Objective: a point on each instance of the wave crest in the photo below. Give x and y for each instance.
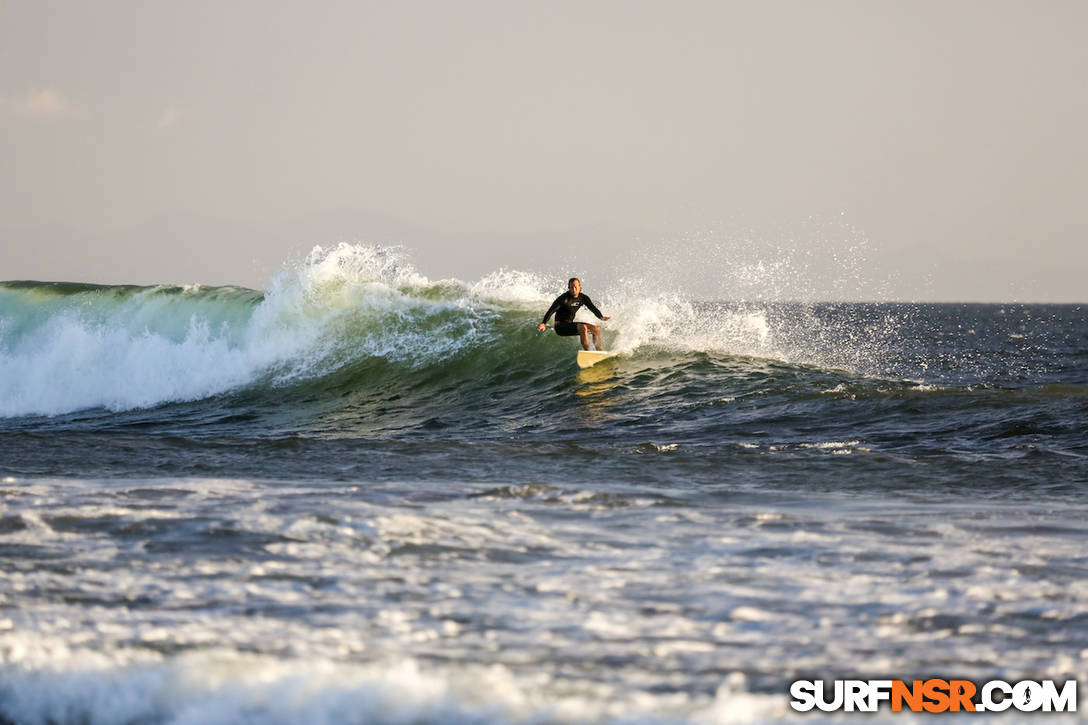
(67, 347)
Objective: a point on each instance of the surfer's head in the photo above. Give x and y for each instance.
(574, 285)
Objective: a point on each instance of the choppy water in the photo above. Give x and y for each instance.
(363, 496)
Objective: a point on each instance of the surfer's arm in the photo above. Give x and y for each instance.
(552, 309)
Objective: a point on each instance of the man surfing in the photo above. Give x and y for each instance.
(565, 307)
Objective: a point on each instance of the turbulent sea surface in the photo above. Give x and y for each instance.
(362, 496)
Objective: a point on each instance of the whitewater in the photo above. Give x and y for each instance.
(361, 495)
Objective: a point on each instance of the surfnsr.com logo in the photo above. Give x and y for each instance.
(933, 695)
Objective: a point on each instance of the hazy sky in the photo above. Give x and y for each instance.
(936, 148)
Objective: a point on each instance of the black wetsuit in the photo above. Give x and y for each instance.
(565, 307)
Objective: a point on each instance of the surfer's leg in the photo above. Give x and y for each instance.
(583, 335)
(596, 330)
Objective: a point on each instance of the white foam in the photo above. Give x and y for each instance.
(219, 686)
(831, 444)
(69, 364)
(377, 588)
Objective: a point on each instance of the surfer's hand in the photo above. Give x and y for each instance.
(540, 327)
(606, 318)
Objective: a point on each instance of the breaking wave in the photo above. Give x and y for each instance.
(68, 347)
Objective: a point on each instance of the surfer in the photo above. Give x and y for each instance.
(565, 307)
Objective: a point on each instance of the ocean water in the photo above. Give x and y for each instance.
(363, 496)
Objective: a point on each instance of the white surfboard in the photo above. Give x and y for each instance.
(592, 357)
